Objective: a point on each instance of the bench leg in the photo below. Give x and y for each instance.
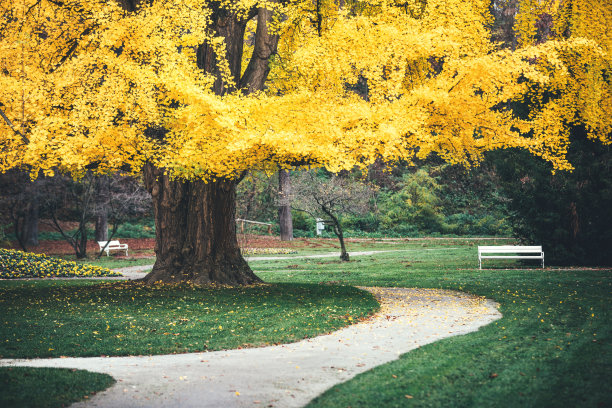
(479, 264)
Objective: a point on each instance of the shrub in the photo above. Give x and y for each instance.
(144, 229)
(18, 264)
(367, 223)
(302, 221)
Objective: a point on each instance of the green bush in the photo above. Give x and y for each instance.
(415, 207)
(18, 264)
(141, 229)
(469, 224)
(303, 221)
(367, 223)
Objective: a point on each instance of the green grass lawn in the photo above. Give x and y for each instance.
(84, 318)
(112, 262)
(26, 387)
(552, 348)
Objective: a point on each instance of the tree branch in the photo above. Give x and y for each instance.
(257, 70)
(72, 48)
(17, 132)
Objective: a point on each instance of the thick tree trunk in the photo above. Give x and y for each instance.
(195, 220)
(195, 231)
(284, 209)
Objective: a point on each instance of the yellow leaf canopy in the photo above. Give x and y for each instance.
(87, 85)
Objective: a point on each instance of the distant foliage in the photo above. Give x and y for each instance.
(416, 204)
(302, 222)
(137, 229)
(407, 201)
(256, 196)
(570, 214)
(18, 264)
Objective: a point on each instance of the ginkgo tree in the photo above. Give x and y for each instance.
(193, 94)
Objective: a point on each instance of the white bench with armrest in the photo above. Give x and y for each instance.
(113, 246)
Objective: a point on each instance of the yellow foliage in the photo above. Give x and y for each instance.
(84, 84)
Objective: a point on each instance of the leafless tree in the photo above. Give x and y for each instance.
(19, 206)
(123, 197)
(330, 197)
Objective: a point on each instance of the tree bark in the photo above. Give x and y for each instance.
(264, 47)
(101, 208)
(195, 231)
(284, 209)
(30, 223)
(101, 233)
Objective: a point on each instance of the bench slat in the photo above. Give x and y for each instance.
(510, 249)
(512, 256)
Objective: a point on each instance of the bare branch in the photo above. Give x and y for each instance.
(17, 132)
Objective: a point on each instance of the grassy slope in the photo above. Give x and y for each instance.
(48, 387)
(553, 346)
(84, 318)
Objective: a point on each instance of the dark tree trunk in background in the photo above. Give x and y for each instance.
(24, 210)
(102, 227)
(101, 210)
(196, 221)
(30, 222)
(284, 208)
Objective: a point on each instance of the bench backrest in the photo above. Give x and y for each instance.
(510, 249)
(102, 243)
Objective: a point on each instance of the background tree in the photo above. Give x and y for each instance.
(256, 195)
(19, 204)
(67, 200)
(285, 221)
(415, 204)
(330, 197)
(101, 208)
(568, 213)
(158, 88)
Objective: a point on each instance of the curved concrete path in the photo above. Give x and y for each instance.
(288, 375)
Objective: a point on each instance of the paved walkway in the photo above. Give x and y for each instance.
(288, 375)
(337, 254)
(137, 272)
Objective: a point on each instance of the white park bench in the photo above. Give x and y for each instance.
(113, 246)
(510, 252)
